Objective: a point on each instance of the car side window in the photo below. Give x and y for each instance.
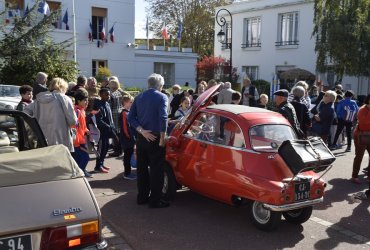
(231, 133)
(216, 129)
(203, 127)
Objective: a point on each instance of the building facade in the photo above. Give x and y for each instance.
(91, 21)
(273, 36)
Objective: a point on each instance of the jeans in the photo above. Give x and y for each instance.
(149, 154)
(341, 125)
(81, 157)
(127, 154)
(102, 150)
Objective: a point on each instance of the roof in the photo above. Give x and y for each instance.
(37, 165)
(238, 109)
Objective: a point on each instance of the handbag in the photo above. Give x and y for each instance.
(364, 138)
(306, 155)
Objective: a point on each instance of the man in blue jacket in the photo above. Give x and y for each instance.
(346, 110)
(148, 115)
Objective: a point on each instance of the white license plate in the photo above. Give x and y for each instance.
(22, 242)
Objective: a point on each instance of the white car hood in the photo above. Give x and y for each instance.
(8, 100)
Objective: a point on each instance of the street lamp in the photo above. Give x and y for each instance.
(225, 38)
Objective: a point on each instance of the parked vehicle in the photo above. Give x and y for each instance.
(243, 166)
(46, 202)
(9, 96)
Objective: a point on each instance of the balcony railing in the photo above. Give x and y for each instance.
(251, 45)
(286, 43)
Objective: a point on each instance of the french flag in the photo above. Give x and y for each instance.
(90, 32)
(102, 34)
(111, 32)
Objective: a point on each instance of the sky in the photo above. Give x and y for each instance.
(140, 19)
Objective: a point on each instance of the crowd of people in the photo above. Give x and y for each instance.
(84, 115)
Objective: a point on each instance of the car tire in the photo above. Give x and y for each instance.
(169, 183)
(298, 216)
(262, 218)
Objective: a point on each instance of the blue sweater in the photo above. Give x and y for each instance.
(346, 103)
(149, 111)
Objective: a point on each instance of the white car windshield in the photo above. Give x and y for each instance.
(269, 137)
(9, 91)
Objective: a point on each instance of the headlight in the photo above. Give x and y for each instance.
(9, 107)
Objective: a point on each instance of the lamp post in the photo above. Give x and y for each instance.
(225, 38)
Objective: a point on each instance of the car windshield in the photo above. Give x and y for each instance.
(9, 91)
(269, 137)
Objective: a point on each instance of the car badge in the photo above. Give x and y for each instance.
(69, 211)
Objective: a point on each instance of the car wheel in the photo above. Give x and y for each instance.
(263, 218)
(169, 183)
(298, 216)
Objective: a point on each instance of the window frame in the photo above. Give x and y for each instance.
(96, 20)
(291, 32)
(247, 30)
(95, 65)
(249, 72)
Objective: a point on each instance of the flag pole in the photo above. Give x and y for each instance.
(74, 32)
(147, 32)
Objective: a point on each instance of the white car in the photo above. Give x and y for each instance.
(9, 96)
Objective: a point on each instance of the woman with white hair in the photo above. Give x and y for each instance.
(305, 99)
(115, 103)
(301, 109)
(55, 113)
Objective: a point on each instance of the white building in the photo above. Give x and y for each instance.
(272, 36)
(132, 65)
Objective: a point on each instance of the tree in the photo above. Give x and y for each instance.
(26, 48)
(210, 67)
(197, 17)
(342, 30)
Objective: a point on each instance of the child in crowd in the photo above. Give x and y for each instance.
(106, 127)
(26, 94)
(264, 99)
(236, 97)
(180, 113)
(128, 137)
(183, 110)
(81, 153)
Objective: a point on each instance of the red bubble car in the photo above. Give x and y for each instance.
(230, 153)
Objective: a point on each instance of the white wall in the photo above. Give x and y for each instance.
(269, 56)
(184, 65)
(130, 65)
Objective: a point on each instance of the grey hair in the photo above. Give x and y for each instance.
(155, 81)
(227, 85)
(332, 95)
(298, 91)
(40, 77)
(303, 84)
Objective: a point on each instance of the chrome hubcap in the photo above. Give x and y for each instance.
(261, 214)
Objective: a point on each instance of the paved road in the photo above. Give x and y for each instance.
(195, 222)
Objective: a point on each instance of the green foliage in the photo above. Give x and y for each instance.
(197, 17)
(103, 72)
(262, 86)
(26, 48)
(133, 89)
(342, 30)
